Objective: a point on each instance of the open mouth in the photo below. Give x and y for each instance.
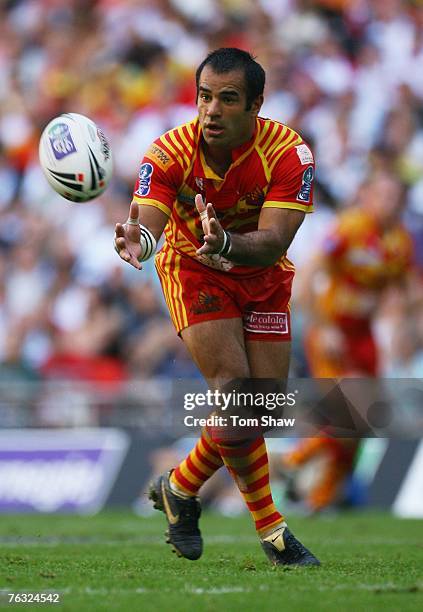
(213, 129)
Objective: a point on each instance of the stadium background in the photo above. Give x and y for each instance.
(85, 341)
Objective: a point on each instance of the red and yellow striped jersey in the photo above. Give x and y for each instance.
(274, 169)
(362, 259)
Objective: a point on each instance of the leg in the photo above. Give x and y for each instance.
(359, 359)
(218, 347)
(339, 464)
(248, 463)
(218, 360)
(268, 359)
(271, 360)
(246, 460)
(219, 363)
(175, 492)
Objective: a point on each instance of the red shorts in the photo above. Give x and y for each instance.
(195, 293)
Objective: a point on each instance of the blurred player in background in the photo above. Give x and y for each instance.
(225, 274)
(366, 252)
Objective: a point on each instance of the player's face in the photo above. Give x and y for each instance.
(222, 109)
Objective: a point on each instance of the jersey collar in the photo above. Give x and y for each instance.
(201, 168)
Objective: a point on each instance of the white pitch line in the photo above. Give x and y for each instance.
(7, 542)
(388, 587)
(91, 541)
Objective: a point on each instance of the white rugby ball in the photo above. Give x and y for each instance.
(76, 157)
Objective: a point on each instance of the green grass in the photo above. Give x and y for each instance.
(117, 561)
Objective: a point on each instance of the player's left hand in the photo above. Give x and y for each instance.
(214, 236)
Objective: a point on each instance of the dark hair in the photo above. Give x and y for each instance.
(227, 59)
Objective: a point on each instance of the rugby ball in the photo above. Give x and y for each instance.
(76, 157)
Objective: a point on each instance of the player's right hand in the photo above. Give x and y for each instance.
(127, 238)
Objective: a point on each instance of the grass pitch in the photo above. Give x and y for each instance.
(117, 561)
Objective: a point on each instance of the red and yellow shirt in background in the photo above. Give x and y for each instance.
(274, 169)
(362, 259)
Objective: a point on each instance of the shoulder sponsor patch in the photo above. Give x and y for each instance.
(304, 193)
(159, 156)
(145, 175)
(305, 155)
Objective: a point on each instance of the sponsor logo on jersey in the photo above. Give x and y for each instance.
(304, 153)
(304, 193)
(61, 140)
(160, 157)
(145, 174)
(266, 322)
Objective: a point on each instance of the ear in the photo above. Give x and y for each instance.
(256, 105)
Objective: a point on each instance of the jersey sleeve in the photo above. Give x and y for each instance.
(159, 177)
(292, 180)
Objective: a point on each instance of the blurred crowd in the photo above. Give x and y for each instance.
(347, 74)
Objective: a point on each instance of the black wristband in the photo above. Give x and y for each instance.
(227, 245)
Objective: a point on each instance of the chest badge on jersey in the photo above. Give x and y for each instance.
(304, 193)
(251, 200)
(145, 174)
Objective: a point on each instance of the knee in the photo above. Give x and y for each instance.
(234, 413)
(227, 377)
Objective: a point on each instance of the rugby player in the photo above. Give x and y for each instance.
(366, 252)
(230, 190)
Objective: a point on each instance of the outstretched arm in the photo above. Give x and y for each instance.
(128, 240)
(263, 247)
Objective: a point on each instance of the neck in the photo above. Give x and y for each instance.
(218, 156)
